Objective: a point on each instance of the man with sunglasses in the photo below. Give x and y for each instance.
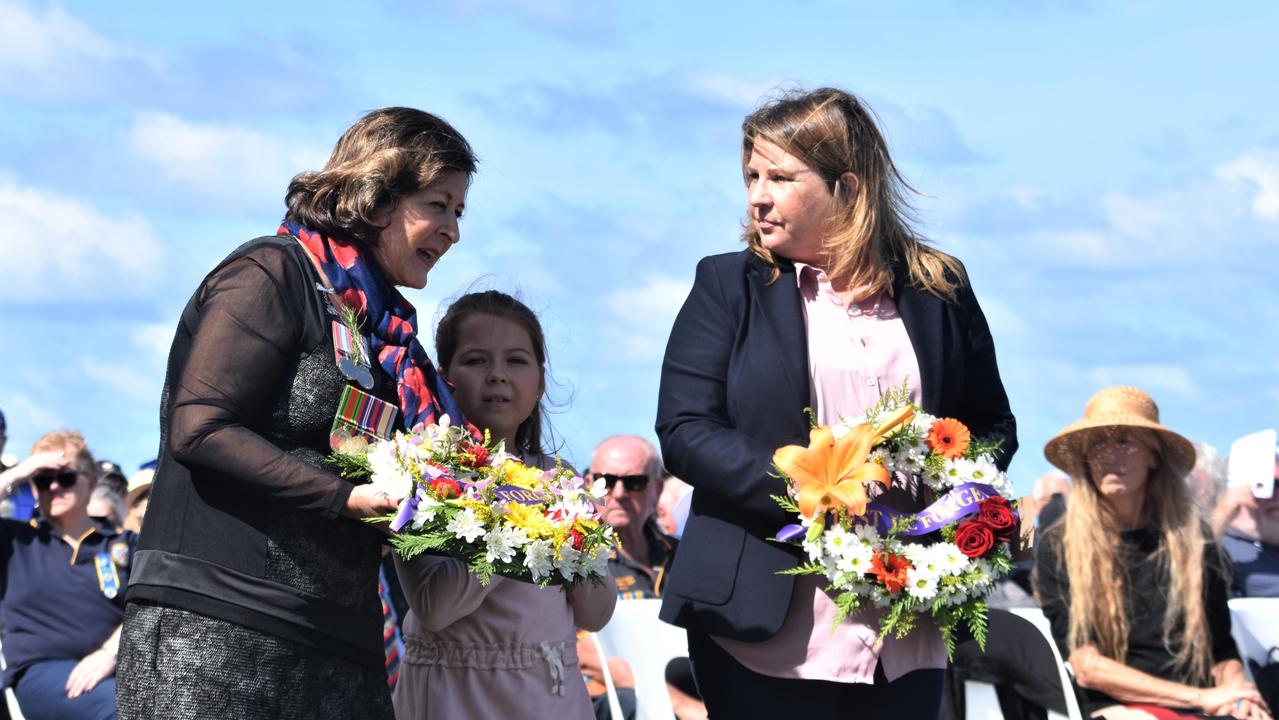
(62, 587)
(632, 470)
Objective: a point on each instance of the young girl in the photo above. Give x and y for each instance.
(506, 650)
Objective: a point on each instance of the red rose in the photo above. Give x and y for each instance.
(974, 538)
(995, 512)
(576, 537)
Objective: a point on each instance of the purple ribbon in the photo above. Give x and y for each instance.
(524, 496)
(954, 505)
(408, 508)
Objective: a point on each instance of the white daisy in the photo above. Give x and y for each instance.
(866, 534)
(856, 559)
(499, 545)
(466, 525)
(427, 508)
(539, 558)
(566, 561)
(920, 585)
(953, 560)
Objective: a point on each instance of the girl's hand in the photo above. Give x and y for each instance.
(368, 501)
(40, 462)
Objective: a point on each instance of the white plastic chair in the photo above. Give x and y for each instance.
(15, 712)
(647, 645)
(1040, 621)
(1254, 624)
(981, 702)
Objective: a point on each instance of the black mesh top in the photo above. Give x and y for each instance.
(243, 522)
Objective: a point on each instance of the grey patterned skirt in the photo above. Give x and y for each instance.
(179, 664)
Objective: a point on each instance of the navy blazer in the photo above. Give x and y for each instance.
(734, 388)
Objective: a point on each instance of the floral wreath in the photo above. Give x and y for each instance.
(475, 502)
(942, 561)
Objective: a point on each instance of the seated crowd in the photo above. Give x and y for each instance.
(1138, 547)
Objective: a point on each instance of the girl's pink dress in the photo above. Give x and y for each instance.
(503, 651)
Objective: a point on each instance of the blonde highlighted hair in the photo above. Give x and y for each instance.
(1098, 578)
(871, 236)
(386, 155)
(72, 443)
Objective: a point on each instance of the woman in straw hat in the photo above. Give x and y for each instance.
(1130, 579)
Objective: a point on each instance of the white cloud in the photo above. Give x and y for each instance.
(27, 420)
(50, 52)
(154, 339)
(221, 161)
(643, 315)
(1261, 167)
(1004, 321)
(62, 249)
(133, 382)
(723, 87)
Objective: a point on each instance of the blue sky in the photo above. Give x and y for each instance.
(1109, 173)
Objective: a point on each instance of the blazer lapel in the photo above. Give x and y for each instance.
(922, 316)
(778, 306)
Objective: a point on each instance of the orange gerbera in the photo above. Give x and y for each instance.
(832, 473)
(890, 570)
(949, 438)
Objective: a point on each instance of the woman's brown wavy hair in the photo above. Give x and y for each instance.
(386, 155)
(835, 133)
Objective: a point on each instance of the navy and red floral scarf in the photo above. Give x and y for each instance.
(392, 322)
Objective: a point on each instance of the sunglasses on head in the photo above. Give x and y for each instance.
(64, 479)
(632, 483)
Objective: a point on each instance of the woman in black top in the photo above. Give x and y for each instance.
(1129, 578)
(254, 591)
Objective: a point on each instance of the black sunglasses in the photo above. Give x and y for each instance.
(632, 483)
(65, 479)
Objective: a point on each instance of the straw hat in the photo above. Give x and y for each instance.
(1117, 406)
(139, 483)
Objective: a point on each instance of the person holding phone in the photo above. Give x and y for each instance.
(1246, 520)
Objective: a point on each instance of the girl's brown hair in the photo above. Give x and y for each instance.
(528, 436)
(835, 133)
(386, 155)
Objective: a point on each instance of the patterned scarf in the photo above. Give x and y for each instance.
(360, 284)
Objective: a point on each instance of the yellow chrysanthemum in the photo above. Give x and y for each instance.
(530, 519)
(521, 475)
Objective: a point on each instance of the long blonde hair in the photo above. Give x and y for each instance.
(1097, 579)
(835, 133)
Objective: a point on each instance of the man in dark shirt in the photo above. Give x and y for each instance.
(62, 583)
(632, 470)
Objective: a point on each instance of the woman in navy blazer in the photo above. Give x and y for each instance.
(736, 381)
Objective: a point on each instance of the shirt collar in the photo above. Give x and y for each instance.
(812, 281)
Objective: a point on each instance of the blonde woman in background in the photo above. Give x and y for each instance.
(1130, 580)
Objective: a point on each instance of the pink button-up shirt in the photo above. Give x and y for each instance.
(855, 353)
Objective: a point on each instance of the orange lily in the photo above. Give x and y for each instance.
(832, 473)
